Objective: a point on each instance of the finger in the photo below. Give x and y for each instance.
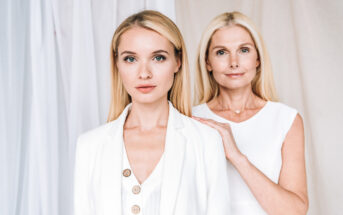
(223, 125)
(213, 124)
(205, 119)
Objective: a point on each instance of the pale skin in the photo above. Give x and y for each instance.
(233, 59)
(147, 63)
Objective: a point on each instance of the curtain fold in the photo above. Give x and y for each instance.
(55, 84)
(304, 41)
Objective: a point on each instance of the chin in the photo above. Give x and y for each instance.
(148, 98)
(235, 85)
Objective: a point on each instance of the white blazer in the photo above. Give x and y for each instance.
(194, 178)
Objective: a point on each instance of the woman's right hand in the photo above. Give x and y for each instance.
(224, 129)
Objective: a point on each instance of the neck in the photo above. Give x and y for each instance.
(237, 99)
(147, 116)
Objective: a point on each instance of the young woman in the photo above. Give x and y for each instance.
(150, 158)
(263, 139)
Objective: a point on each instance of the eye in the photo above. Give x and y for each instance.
(129, 59)
(220, 52)
(160, 58)
(245, 50)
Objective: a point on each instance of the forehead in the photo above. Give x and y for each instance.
(141, 39)
(232, 34)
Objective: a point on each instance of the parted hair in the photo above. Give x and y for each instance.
(179, 94)
(206, 87)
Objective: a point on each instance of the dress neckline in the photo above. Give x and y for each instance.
(252, 118)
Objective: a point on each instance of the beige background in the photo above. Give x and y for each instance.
(304, 39)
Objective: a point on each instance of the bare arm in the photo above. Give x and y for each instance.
(289, 196)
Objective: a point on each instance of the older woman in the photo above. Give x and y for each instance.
(263, 139)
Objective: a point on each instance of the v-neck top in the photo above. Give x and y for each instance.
(260, 139)
(142, 199)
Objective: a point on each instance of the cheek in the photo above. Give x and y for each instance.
(219, 64)
(218, 77)
(249, 63)
(164, 74)
(127, 75)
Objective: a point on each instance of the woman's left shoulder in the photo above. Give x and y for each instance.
(201, 134)
(282, 109)
(193, 125)
(285, 116)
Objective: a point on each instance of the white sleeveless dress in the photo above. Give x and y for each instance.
(260, 138)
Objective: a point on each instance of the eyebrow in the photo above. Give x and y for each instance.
(161, 51)
(127, 52)
(155, 52)
(223, 47)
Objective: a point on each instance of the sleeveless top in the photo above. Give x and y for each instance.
(260, 139)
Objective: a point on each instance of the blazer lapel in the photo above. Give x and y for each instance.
(173, 166)
(111, 175)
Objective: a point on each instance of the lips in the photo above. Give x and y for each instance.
(145, 88)
(235, 75)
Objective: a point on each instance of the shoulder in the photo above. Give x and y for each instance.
(281, 108)
(286, 117)
(297, 126)
(191, 125)
(280, 113)
(199, 109)
(201, 134)
(198, 127)
(95, 136)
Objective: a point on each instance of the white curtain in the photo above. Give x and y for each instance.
(54, 64)
(304, 39)
(54, 84)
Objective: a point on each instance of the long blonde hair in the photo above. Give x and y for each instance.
(206, 87)
(179, 94)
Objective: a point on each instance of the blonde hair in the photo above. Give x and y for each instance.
(179, 94)
(206, 86)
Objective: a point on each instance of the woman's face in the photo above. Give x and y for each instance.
(232, 57)
(147, 63)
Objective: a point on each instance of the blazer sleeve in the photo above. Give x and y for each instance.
(82, 201)
(218, 184)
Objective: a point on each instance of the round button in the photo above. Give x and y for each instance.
(135, 209)
(126, 172)
(136, 189)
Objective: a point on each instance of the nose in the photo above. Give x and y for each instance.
(234, 62)
(144, 72)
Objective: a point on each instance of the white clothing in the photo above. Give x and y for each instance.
(194, 177)
(260, 138)
(147, 198)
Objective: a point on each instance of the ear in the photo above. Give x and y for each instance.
(258, 62)
(178, 62)
(208, 65)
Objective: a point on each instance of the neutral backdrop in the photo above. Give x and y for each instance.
(54, 85)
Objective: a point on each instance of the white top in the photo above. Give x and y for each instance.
(142, 199)
(194, 176)
(260, 138)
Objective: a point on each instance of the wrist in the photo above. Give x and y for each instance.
(237, 158)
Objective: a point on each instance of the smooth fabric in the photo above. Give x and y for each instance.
(304, 39)
(54, 85)
(149, 197)
(260, 139)
(194, 173)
